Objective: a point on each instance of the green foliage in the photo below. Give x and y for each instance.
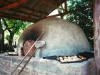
(7, 36)
(14, 27)
(83, 18)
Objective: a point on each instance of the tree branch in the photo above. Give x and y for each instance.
(6, 25)
(71, 11)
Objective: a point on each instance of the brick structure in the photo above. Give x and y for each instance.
(46, 67)
(27, 47)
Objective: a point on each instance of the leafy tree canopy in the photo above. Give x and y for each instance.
(14, 27)
(83, 18)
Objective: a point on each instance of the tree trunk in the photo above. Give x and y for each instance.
(1, 38)
(10, 40)
(97, 34)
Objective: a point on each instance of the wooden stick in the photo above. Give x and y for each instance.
(27, 53)
(27, 62)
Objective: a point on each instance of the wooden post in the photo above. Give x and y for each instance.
(97, 34)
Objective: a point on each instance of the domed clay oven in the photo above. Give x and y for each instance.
(61, 37)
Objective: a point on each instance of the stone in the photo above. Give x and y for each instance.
(47, 67)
